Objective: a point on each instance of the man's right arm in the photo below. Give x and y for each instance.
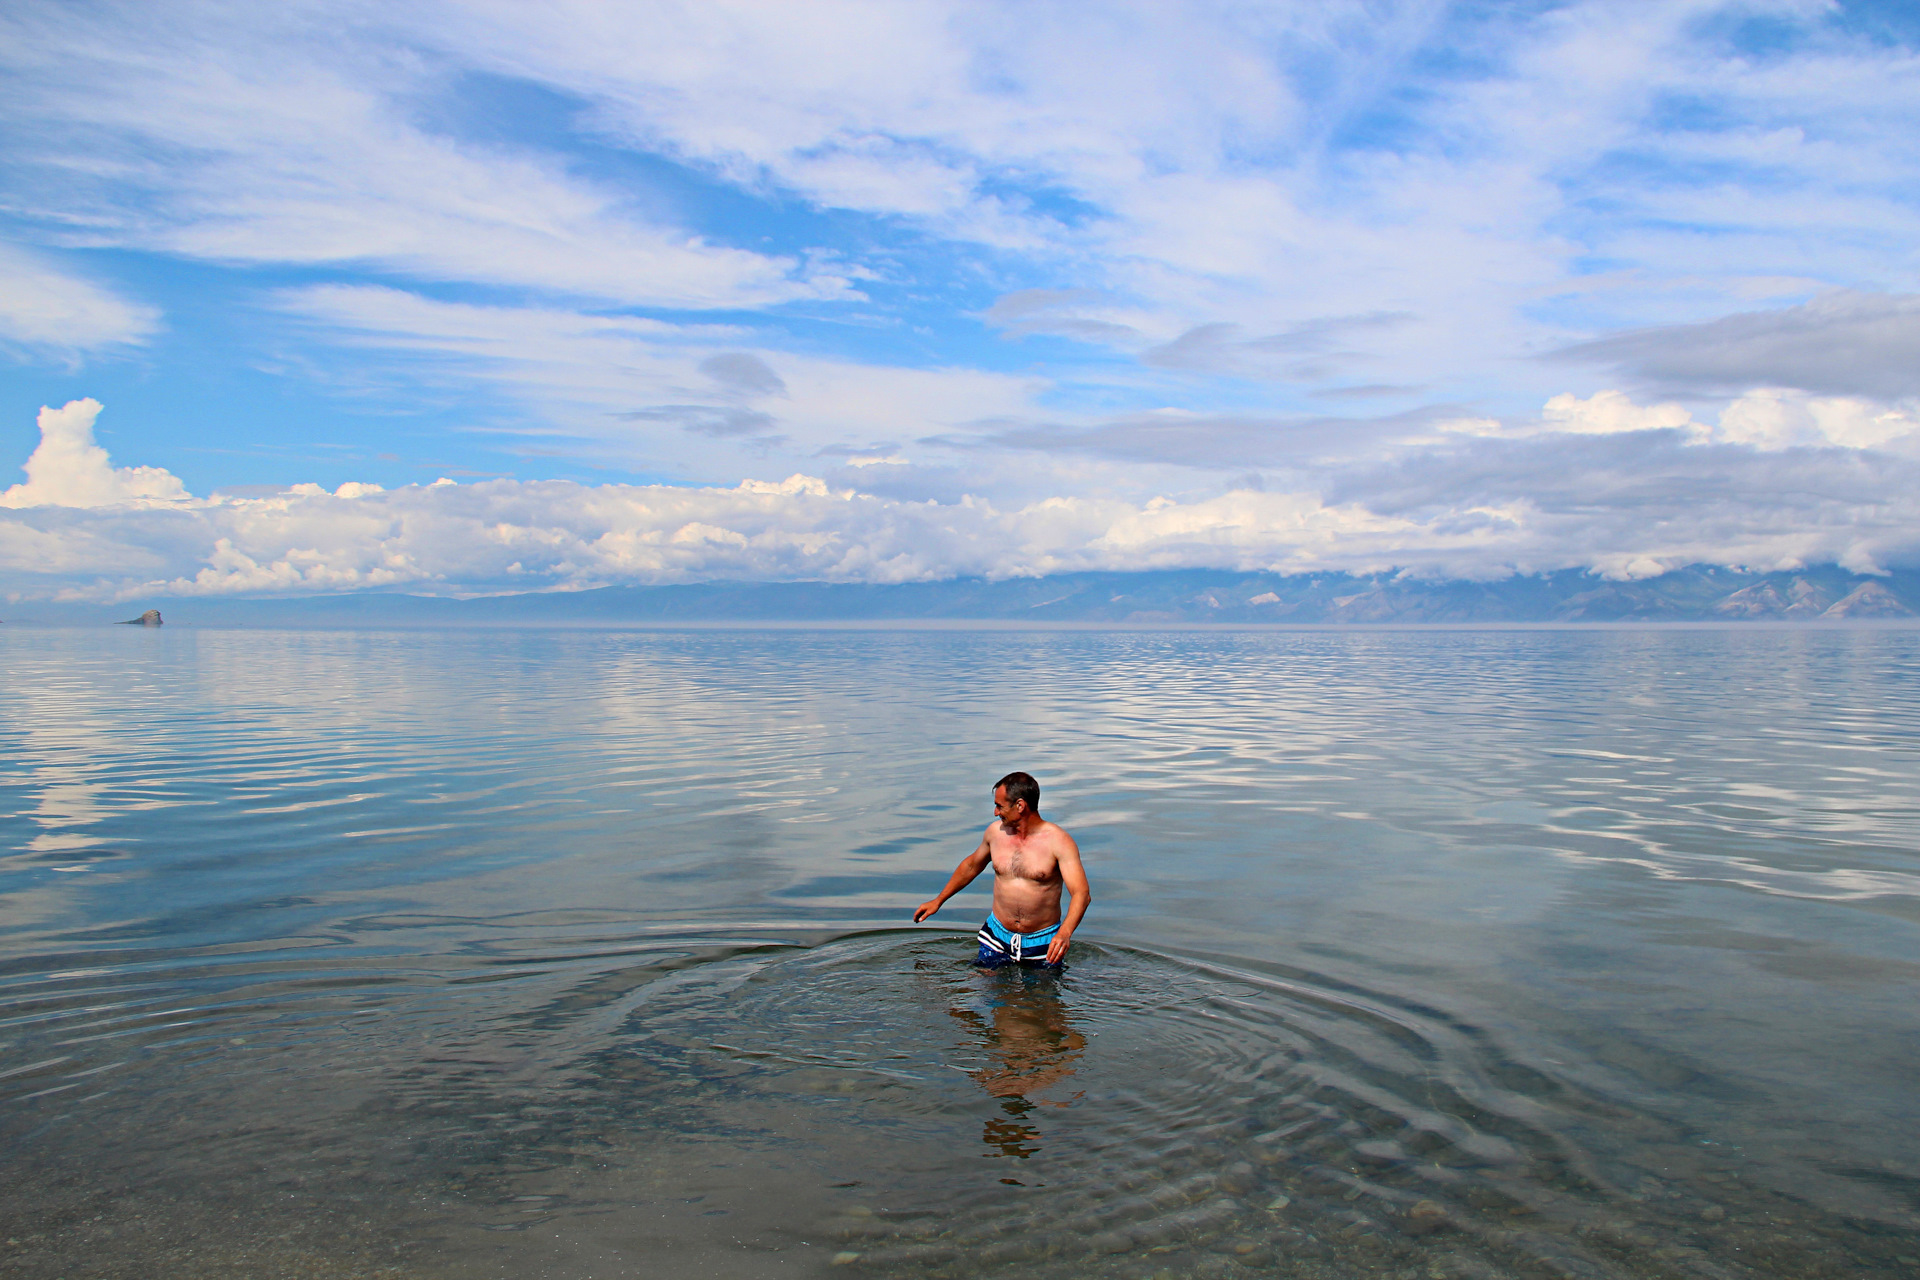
(970, 866)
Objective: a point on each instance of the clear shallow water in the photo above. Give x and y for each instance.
(1575, 953)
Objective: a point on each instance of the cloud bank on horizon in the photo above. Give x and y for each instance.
(1470, 498)
(865, 291)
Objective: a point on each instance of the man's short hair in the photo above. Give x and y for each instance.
(1021, 786)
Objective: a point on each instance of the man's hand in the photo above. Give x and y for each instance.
(925, 909)
(1057, 949)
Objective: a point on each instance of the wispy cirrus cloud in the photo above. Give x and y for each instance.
(234, 136)
(1213, 166)
(46, 308)
(689, 398)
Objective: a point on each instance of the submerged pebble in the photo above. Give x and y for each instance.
(1238, 1178)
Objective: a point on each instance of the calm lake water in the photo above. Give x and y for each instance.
(1576, 953)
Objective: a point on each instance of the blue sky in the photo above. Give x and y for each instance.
(1011, 288)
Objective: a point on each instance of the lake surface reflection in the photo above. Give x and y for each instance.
(1579, 953)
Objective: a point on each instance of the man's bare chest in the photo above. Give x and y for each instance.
(1025, 861)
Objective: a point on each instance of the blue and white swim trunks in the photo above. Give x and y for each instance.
(1000, 945)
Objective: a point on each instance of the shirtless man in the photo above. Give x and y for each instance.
(1032, 861)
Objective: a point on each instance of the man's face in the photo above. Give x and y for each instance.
(1008, 811)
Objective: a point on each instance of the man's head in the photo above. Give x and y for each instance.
(1015, 796)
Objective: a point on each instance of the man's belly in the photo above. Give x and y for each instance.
(1024, 906)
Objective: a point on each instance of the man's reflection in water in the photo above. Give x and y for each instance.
(1030, 1046)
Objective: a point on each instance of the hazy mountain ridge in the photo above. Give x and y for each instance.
(1694, 594)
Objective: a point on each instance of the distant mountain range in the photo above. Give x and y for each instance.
(1699, 593)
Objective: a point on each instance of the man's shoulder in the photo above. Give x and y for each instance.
(1055, 833)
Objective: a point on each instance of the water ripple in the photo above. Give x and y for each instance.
(1575, 938)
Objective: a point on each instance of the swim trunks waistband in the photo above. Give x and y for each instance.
(1002, 941)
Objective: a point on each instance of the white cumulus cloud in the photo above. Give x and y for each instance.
(1778, 419)
(1606, 412)
(70, 470)
(1768, 418)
